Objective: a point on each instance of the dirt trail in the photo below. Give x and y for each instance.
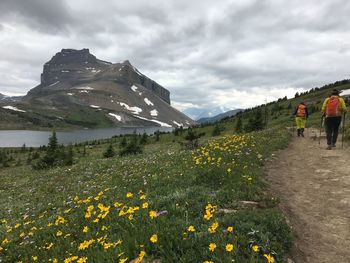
(314, 186)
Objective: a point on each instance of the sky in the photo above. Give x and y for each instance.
(227, 53)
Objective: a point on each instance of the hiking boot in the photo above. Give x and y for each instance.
(333, 146)
(302, 133)
(329, 147)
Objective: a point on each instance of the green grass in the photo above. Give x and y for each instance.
(173, 183)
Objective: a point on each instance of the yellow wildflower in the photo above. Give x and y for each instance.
(60, 220)
(229, 247)
(129, 195)
(145, 205)
(213, 227)
(123, 260)
(152, 214)
(59, 233)
(85, 229)
(82, 260)
(84, 245)
(212, 247)
(35, 258)
(154, 238)
(142, 197)
(191, 229)
(230, 229)
(270, 259)
(255, 248)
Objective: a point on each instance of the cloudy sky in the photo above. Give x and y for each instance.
(231, 53)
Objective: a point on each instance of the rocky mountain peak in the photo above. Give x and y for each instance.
(67, 56)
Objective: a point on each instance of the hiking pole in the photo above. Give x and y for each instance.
(319, 138)
(342, 137)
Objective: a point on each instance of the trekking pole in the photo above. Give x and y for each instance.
(319, 138)
(342, 137)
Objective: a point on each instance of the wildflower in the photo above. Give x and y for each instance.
(67, 211)
(229, 247)
(17, 225)
(140, 257)
(117, 204)
(142, 197)
(59, 233)
(71, 259)
(230, 229)
(49, 246)
(123, 260)
(212, 247)
(191, 229)
(129, 195)
(60, 220)
(35, 258)
(152, 214)
(145, 205)
(154, 238)
(208, 261)
(82, 260)
(270, 259)
(104, 228)
(84, 245)
(213, 227)
(255, 248)
(85, 229)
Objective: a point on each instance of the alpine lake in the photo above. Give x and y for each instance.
(16, 138)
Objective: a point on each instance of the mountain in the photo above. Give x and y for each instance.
(219, 116)
(78, 90)
(198, 113)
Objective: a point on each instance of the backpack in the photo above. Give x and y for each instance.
(332, 109)
(301, 111)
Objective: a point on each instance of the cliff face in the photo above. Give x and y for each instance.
(72, 67)
(77, 89)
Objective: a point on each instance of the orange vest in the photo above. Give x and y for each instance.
(301, 112)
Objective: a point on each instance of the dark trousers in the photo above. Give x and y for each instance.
(332, 126)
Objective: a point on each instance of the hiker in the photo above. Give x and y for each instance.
(333, 108)
(301, 114)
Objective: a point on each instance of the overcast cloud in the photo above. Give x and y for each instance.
(206, 53)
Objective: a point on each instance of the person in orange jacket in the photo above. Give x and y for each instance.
(301, 114)
(333, 108)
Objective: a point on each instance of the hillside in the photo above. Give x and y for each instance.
(77, 90)
(213, 203)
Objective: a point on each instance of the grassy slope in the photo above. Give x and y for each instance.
(178, 181)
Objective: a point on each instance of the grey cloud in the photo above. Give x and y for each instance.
(50, 17)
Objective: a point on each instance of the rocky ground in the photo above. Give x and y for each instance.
(314, 186)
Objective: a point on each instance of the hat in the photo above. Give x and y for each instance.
(335, 92)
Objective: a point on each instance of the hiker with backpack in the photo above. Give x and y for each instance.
(301, 114)
(332, 109)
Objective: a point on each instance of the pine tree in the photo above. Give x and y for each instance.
(109, 152)
(216, 131)
(239, 125)
(144, 138)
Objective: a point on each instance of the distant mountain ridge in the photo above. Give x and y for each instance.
(219, 116)
(77, 90)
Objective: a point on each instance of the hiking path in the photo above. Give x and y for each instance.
(314, 187)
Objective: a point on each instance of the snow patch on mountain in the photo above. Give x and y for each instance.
(134, 88)
(94, 106)
(85, 88)
(135, 110)
(163, 124)
(178, 124)
(154, 112)
(13, 108)
(148, 102)
(53, 84)
(118, 117)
